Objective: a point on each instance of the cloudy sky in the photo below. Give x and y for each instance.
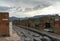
(28, 8)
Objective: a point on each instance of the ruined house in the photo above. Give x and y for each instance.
(46, 22)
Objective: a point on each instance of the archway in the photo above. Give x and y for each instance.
(47, 25)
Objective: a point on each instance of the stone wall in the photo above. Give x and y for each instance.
(40, 23)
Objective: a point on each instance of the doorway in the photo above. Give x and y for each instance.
(47, 25)
(37, 26)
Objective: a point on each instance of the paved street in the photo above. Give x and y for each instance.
(27, 35)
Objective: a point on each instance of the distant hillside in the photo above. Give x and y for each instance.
(13, 18)
(37, 16)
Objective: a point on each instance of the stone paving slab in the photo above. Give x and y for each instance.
(13, 37)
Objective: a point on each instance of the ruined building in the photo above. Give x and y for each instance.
(45, 22)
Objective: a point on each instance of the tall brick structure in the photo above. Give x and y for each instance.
(57, 25)
(4, 24)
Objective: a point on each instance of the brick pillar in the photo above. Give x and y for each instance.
(57, 26)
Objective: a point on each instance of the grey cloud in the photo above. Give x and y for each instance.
(30, 2)
(2, 8)
(36, 4)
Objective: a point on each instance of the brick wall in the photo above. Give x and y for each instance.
(4, 23)
(57, 26)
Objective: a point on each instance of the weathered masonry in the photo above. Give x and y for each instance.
(4, 24)
(50, 23)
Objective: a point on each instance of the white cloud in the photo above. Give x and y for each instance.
(54, 9)
(31, 3)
